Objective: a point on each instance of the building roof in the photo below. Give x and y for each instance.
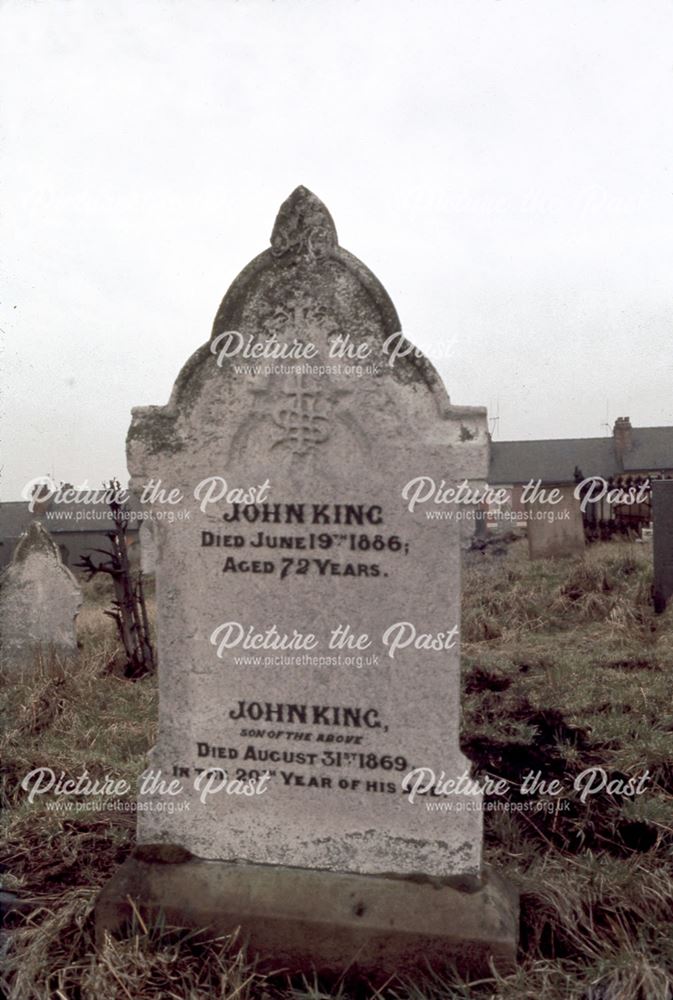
(652, 449)
(555, 461)
(552, 461)
(14, 518)
(60, 519)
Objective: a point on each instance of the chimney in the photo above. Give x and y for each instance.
(623, 437)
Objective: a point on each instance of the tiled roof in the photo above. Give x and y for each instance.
(60, 519)
(652, 449)
(555, 461)
(552, 461)
(14, 518)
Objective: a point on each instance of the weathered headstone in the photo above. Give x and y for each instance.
(39, 602)
(662, 518)
(555, 530)
(307, 627)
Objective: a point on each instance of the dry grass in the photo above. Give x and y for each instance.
(565, 667)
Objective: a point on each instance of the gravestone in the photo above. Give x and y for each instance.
(308, 631)
(39, 602)
(555, 530)
(662, 519)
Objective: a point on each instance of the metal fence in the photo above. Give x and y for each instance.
(604, 520)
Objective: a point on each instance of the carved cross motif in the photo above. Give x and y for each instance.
(303, 416)
(297, 415)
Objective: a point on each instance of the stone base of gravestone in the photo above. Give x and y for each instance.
(301, 920)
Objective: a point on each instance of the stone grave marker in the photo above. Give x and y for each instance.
(39, 602)
(308, 627)
(662, 518)
(555, 530)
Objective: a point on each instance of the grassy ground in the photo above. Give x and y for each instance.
(565, 667)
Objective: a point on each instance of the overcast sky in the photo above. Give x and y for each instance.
(505, 167)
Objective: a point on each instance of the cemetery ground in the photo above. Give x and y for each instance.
(565, 667)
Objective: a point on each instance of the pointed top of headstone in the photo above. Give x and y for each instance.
(303, 227)
(36, 539)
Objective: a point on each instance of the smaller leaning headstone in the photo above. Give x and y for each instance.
(39, 602)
